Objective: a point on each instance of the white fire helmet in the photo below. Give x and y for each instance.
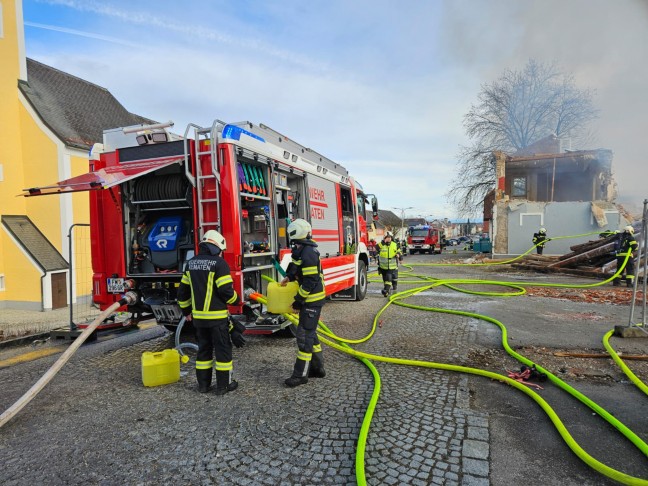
(389, 234)
(629, 229)
(215, 238)
(299, 229)
(543, 231)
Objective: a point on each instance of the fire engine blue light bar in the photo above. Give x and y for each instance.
(234, 133)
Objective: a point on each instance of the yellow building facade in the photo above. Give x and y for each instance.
(34, 243)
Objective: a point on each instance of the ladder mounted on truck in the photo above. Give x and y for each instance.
(207, 180)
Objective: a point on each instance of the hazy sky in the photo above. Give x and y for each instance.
(380, 87)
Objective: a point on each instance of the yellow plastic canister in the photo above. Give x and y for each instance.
(280, 298)
(160, 368)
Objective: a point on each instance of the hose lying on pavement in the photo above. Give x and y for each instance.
(518, 289)
(129, 298)
(366, 358)
(366, 423)
(628, 372)
(517, 286)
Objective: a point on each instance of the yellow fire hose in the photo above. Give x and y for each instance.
(518, 289)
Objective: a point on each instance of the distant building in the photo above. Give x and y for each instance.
(566, 192)
(387, 221)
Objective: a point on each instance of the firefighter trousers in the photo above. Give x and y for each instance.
(307, 341)
(390, 280)
(629, 271)
(213, 339)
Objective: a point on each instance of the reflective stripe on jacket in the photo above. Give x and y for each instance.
(306, 268)
(206, 288)
(388, 255)
(539, 239)
(627, 244)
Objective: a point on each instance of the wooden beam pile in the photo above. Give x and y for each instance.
(592, 259)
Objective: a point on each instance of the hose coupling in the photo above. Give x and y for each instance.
(129, 298)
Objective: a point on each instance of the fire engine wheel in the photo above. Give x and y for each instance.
(363, 282)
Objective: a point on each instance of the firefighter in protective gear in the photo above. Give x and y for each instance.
(625, 245)
(306, 269)
(389, 254)
(540, 239)
(205, 291)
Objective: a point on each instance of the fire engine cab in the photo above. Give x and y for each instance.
(154, 194)
(425, 239)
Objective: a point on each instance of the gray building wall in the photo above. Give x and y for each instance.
(559, 219)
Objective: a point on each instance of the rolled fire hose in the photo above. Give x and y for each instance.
(129, 298)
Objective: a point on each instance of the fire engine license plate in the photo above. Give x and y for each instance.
(116, 285)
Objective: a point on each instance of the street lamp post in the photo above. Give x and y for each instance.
(402, 210)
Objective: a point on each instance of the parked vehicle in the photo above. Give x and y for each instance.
(424, 239)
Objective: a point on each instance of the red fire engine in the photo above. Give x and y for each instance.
(425, 239)
(154, 194)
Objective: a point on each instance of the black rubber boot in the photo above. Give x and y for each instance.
(615, 282)
(294, 381)
(629, 283)
(300, 374)
(316, 369)
(204, 378)
(224, 384)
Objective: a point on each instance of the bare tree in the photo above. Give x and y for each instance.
(518, 109)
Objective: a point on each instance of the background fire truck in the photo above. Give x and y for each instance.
(154, 194)
(425, 239)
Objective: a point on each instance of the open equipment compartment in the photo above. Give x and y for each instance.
(271, 195)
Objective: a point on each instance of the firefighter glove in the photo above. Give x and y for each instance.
(237, 339)
(400, 258)
(236, 333)
(297, 304)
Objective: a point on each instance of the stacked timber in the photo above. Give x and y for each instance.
(591, 259)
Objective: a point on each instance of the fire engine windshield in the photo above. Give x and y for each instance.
(103, 178)
(419, 232)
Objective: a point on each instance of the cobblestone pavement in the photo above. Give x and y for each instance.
(96, 424)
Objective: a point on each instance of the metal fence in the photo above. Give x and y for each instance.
(82, 310)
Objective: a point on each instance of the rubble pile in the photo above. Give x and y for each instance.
(591, 259)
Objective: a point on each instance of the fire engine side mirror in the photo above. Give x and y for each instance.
(374, 207)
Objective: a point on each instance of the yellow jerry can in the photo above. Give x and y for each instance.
(160, 368)
(280, 298)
